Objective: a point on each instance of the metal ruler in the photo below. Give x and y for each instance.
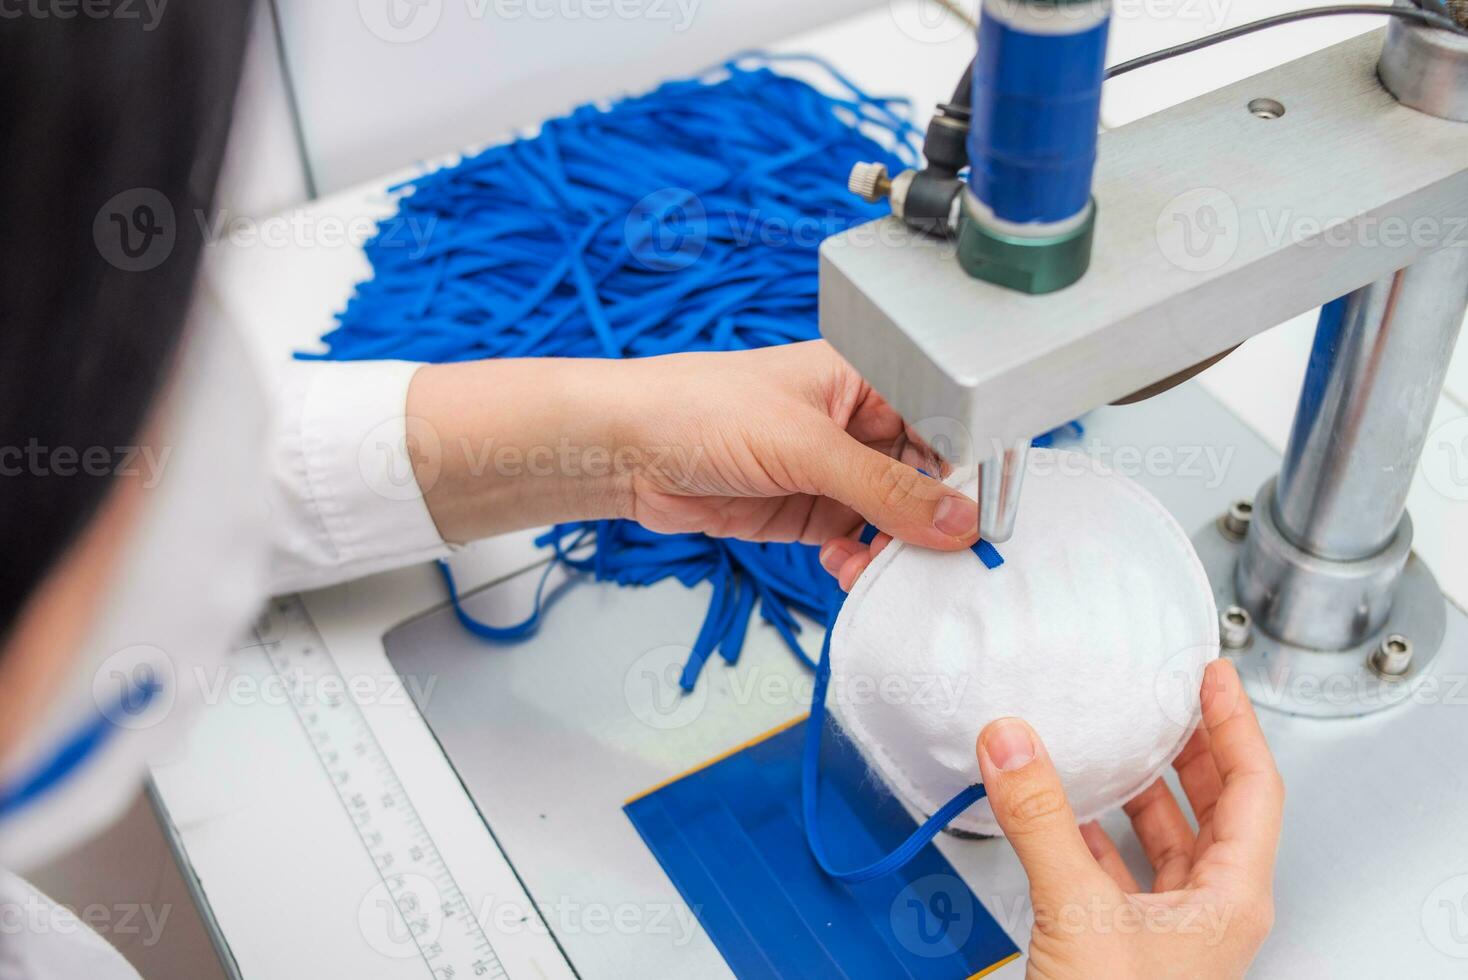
(416, 910)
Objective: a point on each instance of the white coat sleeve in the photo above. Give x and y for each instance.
(344, 499)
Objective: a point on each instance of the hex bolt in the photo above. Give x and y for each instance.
(1393, 656)
(1236, 519)
(1235, 628)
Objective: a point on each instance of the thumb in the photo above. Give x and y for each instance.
(893, 496)
(1030, 805)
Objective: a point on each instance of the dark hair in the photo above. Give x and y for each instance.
(112, 132)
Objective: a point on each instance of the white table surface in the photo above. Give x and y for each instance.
(261, 830)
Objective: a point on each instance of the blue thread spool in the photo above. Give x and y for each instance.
(1028, 216)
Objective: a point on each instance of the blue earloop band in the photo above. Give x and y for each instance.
(77, 749)
(810, 780)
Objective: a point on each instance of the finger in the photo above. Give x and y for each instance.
(857, 563)
(1103, 849)
(891, 495)
(836, 552)
(1166, 838)
(1030, 805)
(1198, 775)
(851, 571)
(1251, 802)
(913, 451)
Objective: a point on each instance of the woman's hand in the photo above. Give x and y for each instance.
(779, 444)
(1210, 905)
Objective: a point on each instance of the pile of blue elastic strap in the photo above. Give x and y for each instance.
(688, 218)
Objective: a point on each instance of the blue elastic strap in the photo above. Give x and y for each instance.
(76, 750)
(810, 789)
(688, 218)
(988, 554)
(483, 630)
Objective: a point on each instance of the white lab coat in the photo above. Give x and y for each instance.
(343, 504)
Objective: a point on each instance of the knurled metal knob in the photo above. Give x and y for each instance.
(869, 181)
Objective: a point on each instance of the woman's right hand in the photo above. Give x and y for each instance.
(1211, 902)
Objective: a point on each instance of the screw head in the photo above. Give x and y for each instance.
(1393, 656)
(1235, 520)
(1235, 628)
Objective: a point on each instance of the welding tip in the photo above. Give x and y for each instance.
(999, 484)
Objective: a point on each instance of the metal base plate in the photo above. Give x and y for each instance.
(552, 736)
(1331, 684)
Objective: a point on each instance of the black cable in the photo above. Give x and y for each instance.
(1406, 13)
(959, 109)
(1434, 6)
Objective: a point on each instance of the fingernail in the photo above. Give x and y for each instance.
(956, 516)
(831, 557)
(1009, 744)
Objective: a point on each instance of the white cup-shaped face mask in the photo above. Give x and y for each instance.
(1095, 630)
